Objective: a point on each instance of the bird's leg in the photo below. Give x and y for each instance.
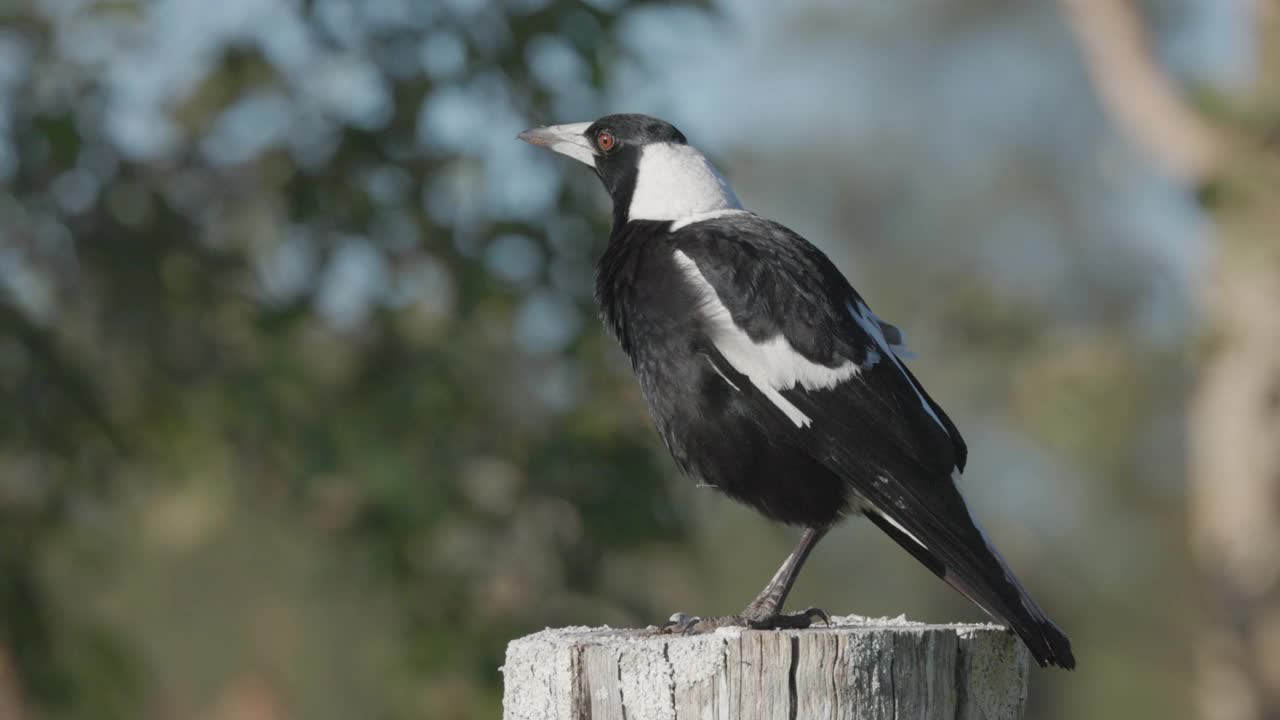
(765, 612)
(767, 607)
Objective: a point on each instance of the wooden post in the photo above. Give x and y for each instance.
(857, 669)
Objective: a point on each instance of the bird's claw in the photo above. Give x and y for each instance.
(793, 621)
(683, 624)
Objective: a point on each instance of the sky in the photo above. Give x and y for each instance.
(908, 103)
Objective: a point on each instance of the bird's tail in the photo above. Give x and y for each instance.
(973, 566)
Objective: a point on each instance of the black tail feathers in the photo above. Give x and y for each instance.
(1045, 640)
(978, 572)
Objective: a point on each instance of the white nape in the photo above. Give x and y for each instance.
(773, 365)
(868, 321)
(705, 216)
(674, 182)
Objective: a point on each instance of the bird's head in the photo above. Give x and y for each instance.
(646, 165)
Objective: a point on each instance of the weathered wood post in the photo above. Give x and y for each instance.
(857, 669)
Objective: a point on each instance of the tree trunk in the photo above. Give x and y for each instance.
(1235, 424)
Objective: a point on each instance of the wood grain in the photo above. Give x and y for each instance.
(857, 669)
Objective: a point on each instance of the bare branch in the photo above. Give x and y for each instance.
(1139, 95)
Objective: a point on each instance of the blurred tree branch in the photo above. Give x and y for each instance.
(1137, 93)
(1235, 417)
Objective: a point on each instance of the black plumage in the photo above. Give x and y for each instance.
(769, 378)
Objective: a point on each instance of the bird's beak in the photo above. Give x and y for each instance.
(564, 139)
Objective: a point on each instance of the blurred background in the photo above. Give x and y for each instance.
(306, 411)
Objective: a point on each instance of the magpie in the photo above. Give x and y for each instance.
(769, 377)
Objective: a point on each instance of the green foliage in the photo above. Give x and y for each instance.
(161, 379)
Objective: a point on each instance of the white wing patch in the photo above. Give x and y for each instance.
(675, 182)
(720, 372)
(868, 321)
(772, 365)
(895, 523)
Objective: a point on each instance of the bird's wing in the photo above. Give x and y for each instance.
(896, 338)
(814, 364)
(781, 313)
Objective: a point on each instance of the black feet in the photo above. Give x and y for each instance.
(681, 624)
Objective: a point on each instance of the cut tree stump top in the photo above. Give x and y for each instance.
(857, 669)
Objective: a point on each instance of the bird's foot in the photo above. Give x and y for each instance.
(682, 624)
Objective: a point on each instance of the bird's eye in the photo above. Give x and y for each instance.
(605, 140)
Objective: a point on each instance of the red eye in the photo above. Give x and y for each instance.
(605, 140)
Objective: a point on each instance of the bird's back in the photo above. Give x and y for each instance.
(769, 377)
(710, 425)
